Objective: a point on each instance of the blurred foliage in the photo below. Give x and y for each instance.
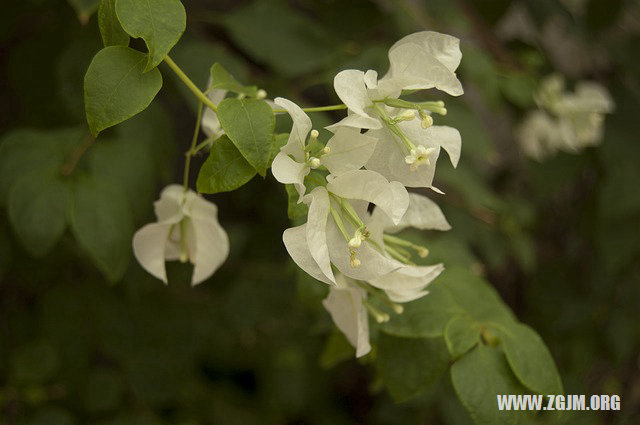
(559, 240)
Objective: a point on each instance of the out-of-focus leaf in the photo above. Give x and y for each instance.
(225, 169)
(116, 88)
(103, 391)
(336, 350)
(125, 163)
(410, 366)
(34, 363)
(84, 9)
(71, 67)
(461, 334)
(160, 25)
(272, 33)
(297, 212)
(100, 219)
(478, 377)
(52, 416)
(37, 209)
(44, 151)
(110, 29)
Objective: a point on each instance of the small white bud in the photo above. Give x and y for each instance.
(314, 162)
(355, 263)
(355, 242)
(423, 252)
(406, 115)
(326, 150)
(261, 94)
(427, 121)
(314, 134)
(398, 308)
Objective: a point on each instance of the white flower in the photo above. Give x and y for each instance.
(187, 229)
(322, 241)
(345, 305)
(408, 282)
(419, 61)
(539, 135)
(347, 150)
(425, 60)
(567, 121)
(418, 167)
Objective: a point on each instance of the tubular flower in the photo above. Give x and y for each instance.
(188, 230)
(347, 150)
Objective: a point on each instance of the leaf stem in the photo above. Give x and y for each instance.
(75, 156)
(192, 150)
(319, 108)
(190, 85)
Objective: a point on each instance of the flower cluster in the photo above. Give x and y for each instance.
(564, 121)
(355, 185)
(355, 188)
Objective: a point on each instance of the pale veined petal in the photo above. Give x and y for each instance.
(408, 283)
(316, 230)
(208, 246)
(423, 214)
(349, 150)
(370, 186)
(168, 208)
(295, 241)
(420, 70)
(344, 304)
(356, 121)
(449, 139)
(351, 89)
(371, 79)
(445, 48)
(149, 248)
(388, 159)
(287, 171)
(299, 131)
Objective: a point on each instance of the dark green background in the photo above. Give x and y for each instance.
(559, 240)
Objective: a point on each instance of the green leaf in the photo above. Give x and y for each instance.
(279, 140)
(249, 123)
(529, 357)
(116, 88)
(100, 219)
(425, 317)
(297, 212)
(84, 9)
(474, 295)
(478, 377)
(409, 366)
(336, 350)
(110, 29)
(461, 334)
(160, 23)
(222, 80)
(37, 210)
(225, 169)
